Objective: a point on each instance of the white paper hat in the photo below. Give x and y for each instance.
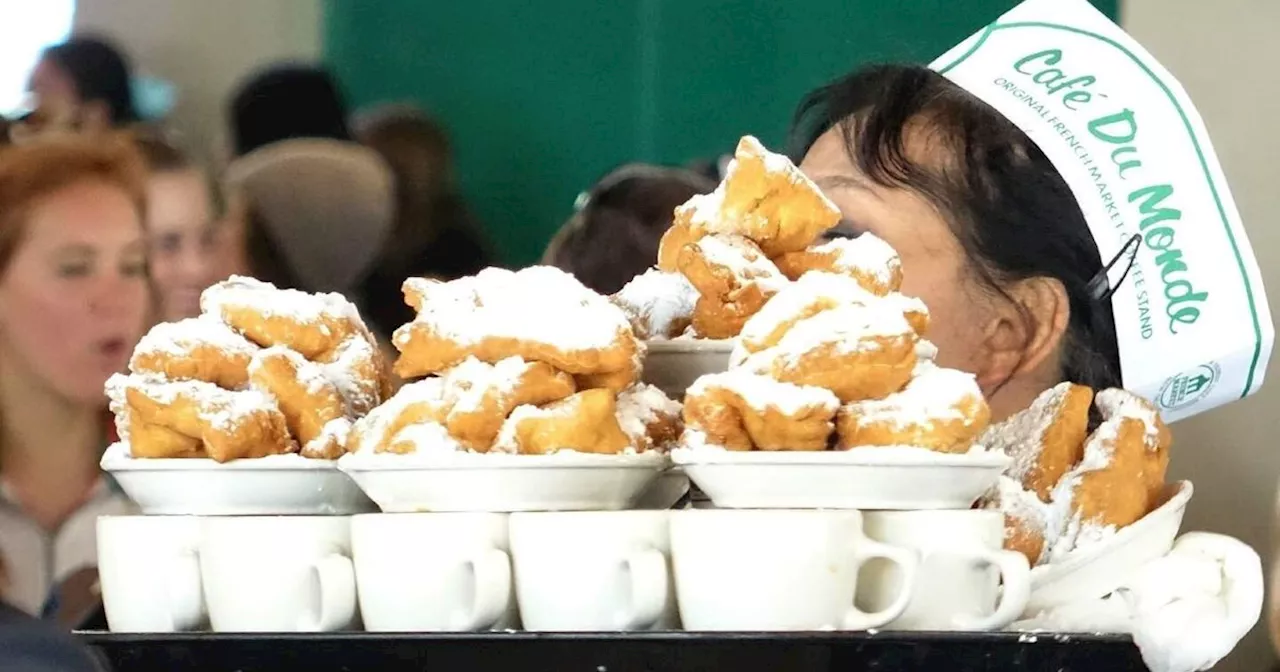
(1192, 320)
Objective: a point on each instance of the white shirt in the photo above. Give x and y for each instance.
(36, 560)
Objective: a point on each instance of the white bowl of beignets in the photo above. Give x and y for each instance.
(896, 478)
(1097, 569)
(287, 484)
(451, 480)
(672, 366)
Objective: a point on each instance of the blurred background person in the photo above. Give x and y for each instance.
(613, 236)
(312, 208)
(74, 300)
(83, 84)
(435, 234)
(185, 229)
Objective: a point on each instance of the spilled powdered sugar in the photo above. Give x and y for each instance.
(539, 303)
(639, 406)
(761, 392)
(934, 394)
(658, 300)
(866, 254)
(178, 338)
(744, 260)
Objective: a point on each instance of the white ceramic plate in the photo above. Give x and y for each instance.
(274, 485)
(672, 366)
(863, 478)
(458, 481)
(1101, 568)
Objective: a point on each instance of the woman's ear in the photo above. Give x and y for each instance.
(1025, 333)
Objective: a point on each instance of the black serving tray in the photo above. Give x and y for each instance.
(617, 652)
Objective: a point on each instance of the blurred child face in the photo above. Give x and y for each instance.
(184, 241)
(74, 298)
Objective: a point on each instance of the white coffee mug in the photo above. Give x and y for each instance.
(750, 570)
(593, 570)
(150, 573)
(962, 569)
(433, 571)
(278, 573)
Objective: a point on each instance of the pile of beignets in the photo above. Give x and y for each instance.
(835, 361)
(731, 251)
(1067, 487)
(528, 362)
(262, 371)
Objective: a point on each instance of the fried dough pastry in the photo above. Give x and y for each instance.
(649, 418)
(1024, 518)
(867, 259)
(659, 304)
(311, 324)
(356, 368)
(154, 441)
(857, 351)
(675, 239)
(1046, 439)
(715, 320)
(763, 197)
(940, 409)
(423, 402)
(614, 381)
(306, 397)
(812, 294)
(1124, 463)
(585, 422)
(487, 394)
(734, 281)
(739, 410)
(230, 425)
(539, 314)
(198, 348)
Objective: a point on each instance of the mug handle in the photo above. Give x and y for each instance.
(650, 585)
(491, 576)
(336, 580)
(908, 560)
(184, 592)
(1015, 575)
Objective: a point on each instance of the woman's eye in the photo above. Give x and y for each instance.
(167, 244)
(844, 229)
(74, 270)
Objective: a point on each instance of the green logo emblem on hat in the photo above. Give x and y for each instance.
(1188, 387)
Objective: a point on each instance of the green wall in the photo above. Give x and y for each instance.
(542, 98)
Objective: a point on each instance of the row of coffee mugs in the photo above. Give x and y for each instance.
(700, 569)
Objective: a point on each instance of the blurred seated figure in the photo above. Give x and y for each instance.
(184, 226)
(614, 234)
(83, 85)
(28, 645)
(74, 300)
(435, 235)
(311, 208)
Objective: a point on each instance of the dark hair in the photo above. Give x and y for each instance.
(435, 234)
(100, 73)
(284, 102)
(1013, 214)
(614, 235)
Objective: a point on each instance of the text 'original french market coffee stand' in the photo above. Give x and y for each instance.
(1194, 332)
